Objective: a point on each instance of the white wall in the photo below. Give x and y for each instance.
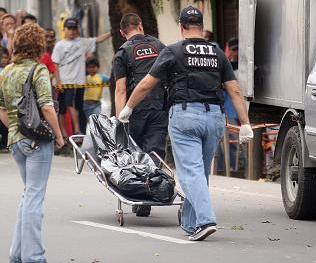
(105, 49)
(13, 5)
(167, 19)
(32, 7)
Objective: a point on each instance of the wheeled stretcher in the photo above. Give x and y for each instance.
(81, 158)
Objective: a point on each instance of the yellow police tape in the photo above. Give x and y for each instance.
(79, 86)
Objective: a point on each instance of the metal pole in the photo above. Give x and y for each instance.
(250, 160)
(226, 153)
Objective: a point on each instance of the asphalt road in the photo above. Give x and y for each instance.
(80, 226)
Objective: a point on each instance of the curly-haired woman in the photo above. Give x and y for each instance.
(33, 158)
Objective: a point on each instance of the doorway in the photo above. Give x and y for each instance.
(225, 17)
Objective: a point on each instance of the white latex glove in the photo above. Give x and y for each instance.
(245, 133)
(125, 114)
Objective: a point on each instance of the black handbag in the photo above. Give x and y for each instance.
(30, 120)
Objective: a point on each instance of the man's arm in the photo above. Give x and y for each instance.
(4, 117)
(141, 90)
(103, 37)
(234, 92)
(139, 93)
(120, 95)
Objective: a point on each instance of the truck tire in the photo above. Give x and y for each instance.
(298, 184)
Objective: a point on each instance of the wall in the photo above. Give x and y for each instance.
(105, 50)
(168, 14)
(13, 5)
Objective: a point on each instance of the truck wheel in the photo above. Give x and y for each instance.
(298, 184)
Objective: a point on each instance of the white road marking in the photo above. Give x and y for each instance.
(131, 231)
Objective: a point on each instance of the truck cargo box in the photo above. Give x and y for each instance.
(276, 50)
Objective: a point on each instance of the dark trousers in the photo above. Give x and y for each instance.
(81, 113)
(149, 130)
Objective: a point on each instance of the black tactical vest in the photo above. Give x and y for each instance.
(196, 76)
(141, 55)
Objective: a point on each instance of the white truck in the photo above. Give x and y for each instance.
(277, 55)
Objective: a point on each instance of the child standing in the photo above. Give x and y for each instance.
(92, 96)
(69, 55)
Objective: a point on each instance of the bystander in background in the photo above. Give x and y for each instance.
(29, 18)
(69, 55)
(92, 96)
(4, 58)
(231, 51)
(8, 26)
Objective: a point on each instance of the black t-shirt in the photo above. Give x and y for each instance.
(121, 59)
(122, 69)
(165, 63)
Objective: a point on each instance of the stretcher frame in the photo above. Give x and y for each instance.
(81, 158)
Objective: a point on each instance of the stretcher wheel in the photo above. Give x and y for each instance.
(120, 217)
(120, 220)
(143, 210)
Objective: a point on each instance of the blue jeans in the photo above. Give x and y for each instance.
(91, 108)
(195, 134)
(34, 164)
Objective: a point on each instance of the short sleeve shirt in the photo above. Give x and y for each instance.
(120, 60)
(166, 61)
(12, 79)
(70, 55)
(95, 94)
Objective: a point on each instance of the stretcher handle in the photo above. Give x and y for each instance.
(163, 162)
(77, 152)
(97, 170)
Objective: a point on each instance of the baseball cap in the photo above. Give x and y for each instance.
(71, 22)
(190, 16)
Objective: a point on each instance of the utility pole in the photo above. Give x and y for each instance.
(45, 15)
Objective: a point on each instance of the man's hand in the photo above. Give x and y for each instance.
(59, 142)
(245, 133)
(125, 114)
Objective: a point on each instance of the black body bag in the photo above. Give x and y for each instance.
(130, 170)
(30, 121)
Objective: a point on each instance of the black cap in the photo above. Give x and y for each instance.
(71, 23)
(191, 16)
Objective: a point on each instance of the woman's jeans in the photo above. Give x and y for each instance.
(34, 162)
(195, 132)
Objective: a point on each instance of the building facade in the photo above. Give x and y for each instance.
(220, 16)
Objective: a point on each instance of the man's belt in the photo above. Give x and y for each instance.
(79, 86)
